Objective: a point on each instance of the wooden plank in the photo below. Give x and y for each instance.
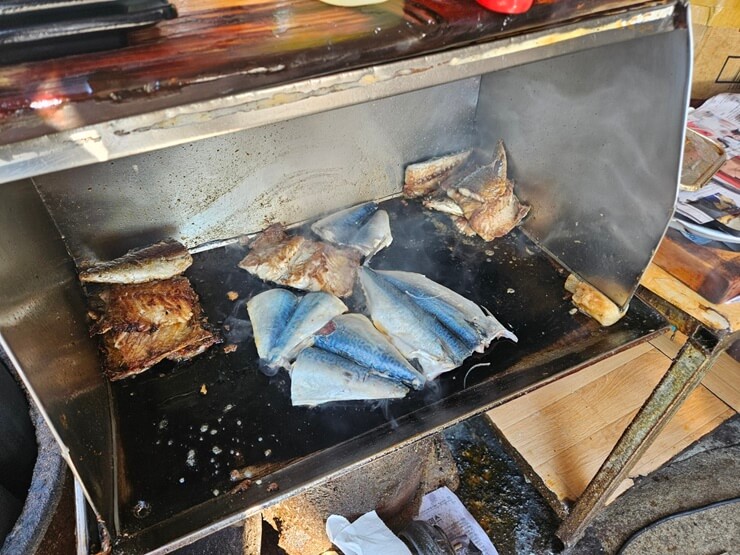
(698, 416)
(537, 400)
(724, 380)
(579, 416)
(669, 344)
(720, 317)
(566, 439)
(713, 273)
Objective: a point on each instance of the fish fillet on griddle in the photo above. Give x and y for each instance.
(482, 202)
(301, 263)
(142, 324)
(161, 260)
(128, 353)
(423, 178)
(144, 306)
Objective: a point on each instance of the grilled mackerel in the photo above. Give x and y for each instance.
(143, 324)
(161, 260)
(301, 263)
(480, 201)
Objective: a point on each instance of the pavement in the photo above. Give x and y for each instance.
(703, 475)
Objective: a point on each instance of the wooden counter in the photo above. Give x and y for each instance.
(218, 47)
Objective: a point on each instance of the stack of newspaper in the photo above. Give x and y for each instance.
(713, 212)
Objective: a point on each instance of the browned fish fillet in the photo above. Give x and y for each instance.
(422, 178)
(485, 203)
(146, 306)
(128, 353)
(271, 253)
(142, 324)
(302, 263)
(463, 226)
(159, 261)
(593, 302)
(500, 210)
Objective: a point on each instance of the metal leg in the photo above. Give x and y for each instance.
(684, 375)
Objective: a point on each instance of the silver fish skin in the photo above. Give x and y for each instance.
(269, 312)
(320, 376)
(450, 316)
(374, 236)
(313, 311)
(161, 260)
(340, 227)
(363, 227)
(486, 324)
(414, 332)
(353, 336)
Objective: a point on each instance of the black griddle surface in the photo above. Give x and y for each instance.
(225, 411)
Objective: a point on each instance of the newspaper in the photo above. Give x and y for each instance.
(443, 508)
(719, 119)
(718, 202)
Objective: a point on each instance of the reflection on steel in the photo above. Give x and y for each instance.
(593, 154)
(159, 129)
(688, 369)
(238, 183)
(44, 332)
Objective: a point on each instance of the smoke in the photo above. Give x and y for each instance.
(237, 330)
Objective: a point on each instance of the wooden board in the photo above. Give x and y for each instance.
(713, 273)
(719, 317)
(218, 47)
(565, 430)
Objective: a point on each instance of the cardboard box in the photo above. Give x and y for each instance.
(716, 27)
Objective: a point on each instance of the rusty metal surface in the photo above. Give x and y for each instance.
(230, 415)
(683, 321)
(688, 369)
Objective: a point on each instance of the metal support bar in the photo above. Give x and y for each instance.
(684, 375)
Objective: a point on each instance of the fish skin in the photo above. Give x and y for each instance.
(319, 376)
(269, 312)
(499, 160)
(363, 227)
(340, 227)
(312, 312)
(353, 336)
(414, 332)
(445, 205)
(488, 326)
(375, 235)
(450, 316)
(161, 260)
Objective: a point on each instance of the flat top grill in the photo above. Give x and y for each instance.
(183, 429)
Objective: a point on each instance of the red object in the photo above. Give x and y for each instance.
(507, 6)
